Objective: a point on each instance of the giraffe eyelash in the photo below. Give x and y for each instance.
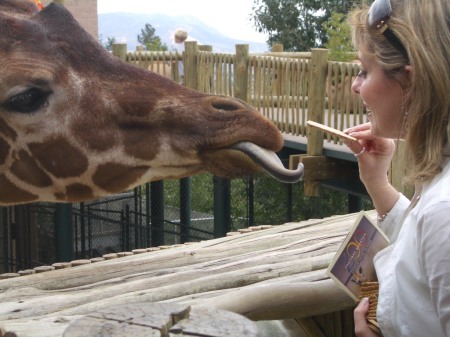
(27, 101)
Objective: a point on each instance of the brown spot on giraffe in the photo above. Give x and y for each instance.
(59, 157)
(26, 169)
(135, 142)
(10, 193)
(77, 192)
(4, 151)
(114, 177)
(7, 131)
(100, 134)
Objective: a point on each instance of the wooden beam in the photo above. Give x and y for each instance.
(321, 168)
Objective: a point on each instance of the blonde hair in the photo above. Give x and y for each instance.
(423, 27)
(181, 35)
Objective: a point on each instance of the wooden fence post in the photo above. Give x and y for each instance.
(120, 50)
(241, 72)
(190, 65)
(276, 79)
(316, 108)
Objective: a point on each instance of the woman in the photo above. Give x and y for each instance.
(404, 49)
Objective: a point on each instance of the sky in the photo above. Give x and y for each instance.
(232, 19)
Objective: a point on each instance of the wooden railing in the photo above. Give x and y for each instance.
(276, 83)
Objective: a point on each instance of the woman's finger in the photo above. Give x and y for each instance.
(359, 315)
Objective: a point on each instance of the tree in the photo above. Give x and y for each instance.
(339, 42)
(109, 42)
(297, 24)
(149, 40)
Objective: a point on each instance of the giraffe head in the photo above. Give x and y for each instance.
(77, 123)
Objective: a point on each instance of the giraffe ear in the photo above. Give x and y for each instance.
(67, 35)
(58, 18)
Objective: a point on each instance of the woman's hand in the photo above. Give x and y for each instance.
(374, 163)
(361, 327)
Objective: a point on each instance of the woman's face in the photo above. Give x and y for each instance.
(382, 97)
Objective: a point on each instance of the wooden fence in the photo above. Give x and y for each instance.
(276, 83)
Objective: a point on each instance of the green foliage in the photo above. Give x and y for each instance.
(149, 40)
(109, 43)
(202, 196)
(297, 24)
(339, 40)
(270, 200)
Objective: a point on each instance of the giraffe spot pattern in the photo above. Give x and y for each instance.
(6, 130)
(78, 192)
(60, 196)
(137, 143)
(4, 151)
(11, 194)
(59, 157)
(96, 136)
(26, 169)
(96, 130)
(114, 177)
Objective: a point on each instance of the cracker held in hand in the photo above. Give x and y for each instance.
(370, 290)
(332, 131)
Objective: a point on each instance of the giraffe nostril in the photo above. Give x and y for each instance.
(227, 106)
(226, 103)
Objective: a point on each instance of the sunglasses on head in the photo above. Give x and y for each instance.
(378, 16)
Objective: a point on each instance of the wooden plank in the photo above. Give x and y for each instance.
(161, 320)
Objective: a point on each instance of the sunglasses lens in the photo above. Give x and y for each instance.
(378, 12)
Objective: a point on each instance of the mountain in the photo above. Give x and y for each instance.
(125, 27)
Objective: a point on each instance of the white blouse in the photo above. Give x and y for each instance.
(414, 270)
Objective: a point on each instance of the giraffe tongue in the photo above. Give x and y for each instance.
(270, 162)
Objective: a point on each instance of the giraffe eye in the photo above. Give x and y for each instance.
(27, 101)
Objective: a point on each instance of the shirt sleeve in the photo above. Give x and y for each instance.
(394, 216)
(434, 253)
